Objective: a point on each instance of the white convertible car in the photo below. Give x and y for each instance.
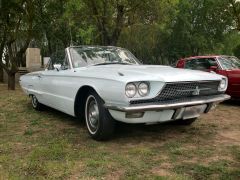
(104, 84)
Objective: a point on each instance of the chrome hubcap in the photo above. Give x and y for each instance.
(92, 114)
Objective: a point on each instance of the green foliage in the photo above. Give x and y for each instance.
(236, 51)
(148, 38)
(53, 30)
(229, 44)
(16, 21)
(17, 28)
(156, 31)
(181, 29)
(200, 26)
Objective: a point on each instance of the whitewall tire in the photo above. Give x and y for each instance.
(100, 124)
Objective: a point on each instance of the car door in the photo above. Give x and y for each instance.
(54, 82)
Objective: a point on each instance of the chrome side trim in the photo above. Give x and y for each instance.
(182, 82)
(175, 105)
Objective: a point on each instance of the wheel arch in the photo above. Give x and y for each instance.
(80, 99)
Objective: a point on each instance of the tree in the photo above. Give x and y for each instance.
(199, 27)
(1, 74)
(17, 18)
(148, 36)
(53, 28)
(105, 19)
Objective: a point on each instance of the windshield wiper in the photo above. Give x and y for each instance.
(112, 63)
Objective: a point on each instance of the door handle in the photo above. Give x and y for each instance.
(39, 76)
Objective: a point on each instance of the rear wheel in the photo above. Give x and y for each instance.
(186, 122)
(99, 122)
(35, 103)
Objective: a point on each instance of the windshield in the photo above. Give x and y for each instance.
(84, 56)
(230, 62)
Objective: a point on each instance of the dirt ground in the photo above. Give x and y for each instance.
(53, 145)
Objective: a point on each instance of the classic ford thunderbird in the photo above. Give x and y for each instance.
(105, 84)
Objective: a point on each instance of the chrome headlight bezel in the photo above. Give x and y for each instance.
(223, 85)
(143, 89)
(130, 87)
(140, 89)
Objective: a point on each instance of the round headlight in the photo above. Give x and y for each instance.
(130, 90)
(143, 89)
(223, 85)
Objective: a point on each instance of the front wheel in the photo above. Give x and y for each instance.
(99, 122)
(35, 103)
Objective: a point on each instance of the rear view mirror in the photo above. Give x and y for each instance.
(57, 66)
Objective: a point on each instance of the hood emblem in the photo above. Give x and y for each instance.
(196, 92)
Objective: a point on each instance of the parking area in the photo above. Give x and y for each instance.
(50, 144)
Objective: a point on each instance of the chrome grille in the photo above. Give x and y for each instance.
(183, 90)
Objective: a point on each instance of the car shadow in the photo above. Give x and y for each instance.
(139, 132)
(61, 116)
(232, 102)
(144, 132)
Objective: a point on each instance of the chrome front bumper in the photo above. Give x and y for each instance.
(209, 100)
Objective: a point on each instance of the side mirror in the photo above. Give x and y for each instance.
(213, 68)
(57, 66)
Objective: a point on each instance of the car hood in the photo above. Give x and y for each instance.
(146, 73)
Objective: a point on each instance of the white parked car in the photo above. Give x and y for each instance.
(104, 84)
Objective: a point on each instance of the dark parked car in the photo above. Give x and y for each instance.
(228, 66)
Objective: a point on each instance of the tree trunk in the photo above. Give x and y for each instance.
(11, 81)
(118, 25)
(1, 74)
(49, 44)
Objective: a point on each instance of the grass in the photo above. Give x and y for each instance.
(52, 145)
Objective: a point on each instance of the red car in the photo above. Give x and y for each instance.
(228, 66)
